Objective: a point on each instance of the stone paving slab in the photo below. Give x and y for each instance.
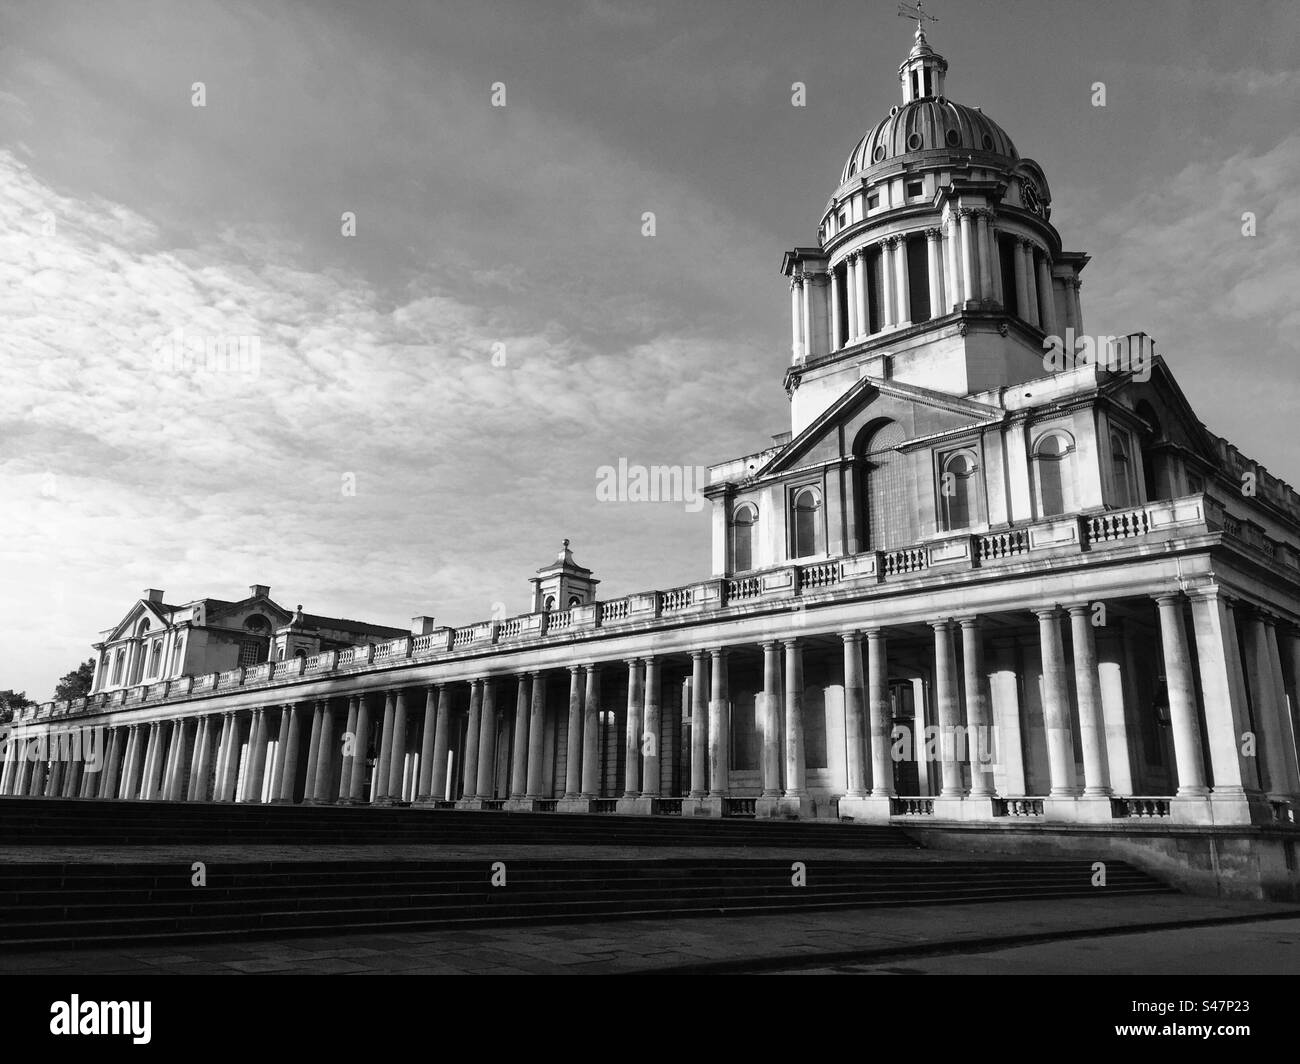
(667, 945)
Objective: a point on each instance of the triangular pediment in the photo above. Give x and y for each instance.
(1178, 421)
(839, 429)
(127, 625)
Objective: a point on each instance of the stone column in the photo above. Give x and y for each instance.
(1005, 692)
(888, 300)
(952, 290)
(904, 294)
(313, 755)
(176, 770)
(882, 765)
(1023, 280)
(519, 755)
(1046, 301)
(325, 756)
(772, 719)
(948, 708)
(860, 290)
(349, 750)
(796, 319)
(219, 770)
(1031, 289)
(487, 742)
(256, 758)
(699, 725)
(632, 738)
(1073, 293)
(591, 735)
(795, 766)
(196, 791)
(986, 268)
(441, 746)
(1180, 685)
(112, 768)
(361, 754)
(1285, 718)
(1120, 730)
(573, 765)
(854, 716)
(281, 751)
(650, 777)
(1276, 751)
(1056, 705)
(968, 279)
(934, 262)
(1236, 792)
(719, 736)
(995, 265)
(852, 264)
(292, 745)
(837, 341)
(1096, 777)
(807, 317)
(397, 750)
(384, 764)
(150, 744)
(978, 709)
(424, 786)
(469, 771)
(537, 735)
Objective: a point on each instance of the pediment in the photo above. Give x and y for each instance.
(127, 625)
(845, 426)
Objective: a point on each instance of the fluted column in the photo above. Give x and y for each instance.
(487, 742)
(632, 737)
(860, 293)
(1022, 278)
(1087, 687)
(651, 725)
(978, 707)
(441, 746)
(469, 771)
(1181, 688)
(397, 750)
(519, 756)
(719, 705)
(854, 716)
(1056, 704)
(1046, 301)
(424, 786)
(360, 754)
(292, 745)
(591, 734)
(573, 766)
(1072, 292)
(904, 292)
(953, 296)
(349, 749)
(948, 707)
(771, 719)
(934, 262)
(888, 301)
(795, 765)
(699, 724)
(537, 735)
(985, 258)
(1030, 312)
(385, 758)
(882, 765)
(1276, 751)
(852, 264)
(807, 317)
(837, 341)
(995, 264)
(968, 279)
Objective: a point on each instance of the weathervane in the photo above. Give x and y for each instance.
(916, 12)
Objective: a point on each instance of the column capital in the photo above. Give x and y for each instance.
(1053, 611)
(793, 643)
(717, 652)
(1074, 282)
(933, 233)
(796, 281)
(874, 633)
(1167, 596)
(944, 624)
(852, 636)
(891, 241)
(698, 655)
(770, 644)
(532, 674)
(574, 669)
(1078, 609)
(972, 620)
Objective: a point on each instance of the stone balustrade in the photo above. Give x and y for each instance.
(855, 574)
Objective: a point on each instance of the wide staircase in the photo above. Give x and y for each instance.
(110, 896)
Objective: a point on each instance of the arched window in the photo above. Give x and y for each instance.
(574, 600)
(1054, 473)
(886, 504)
(549, 604)
(1121, 470)
(178, 656)
(744, 530)
(155, 659)
(300, 653)
(807, 522)
(957, 490)
(119, 662)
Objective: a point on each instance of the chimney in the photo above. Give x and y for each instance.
(152, 594)
(254, 590)
(421, 625)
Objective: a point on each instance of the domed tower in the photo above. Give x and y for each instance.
(936, 262)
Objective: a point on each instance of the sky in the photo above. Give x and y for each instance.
(427, 394)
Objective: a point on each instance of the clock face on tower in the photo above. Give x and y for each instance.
(1029, 196)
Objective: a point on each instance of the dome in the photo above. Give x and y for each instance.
(933, 123)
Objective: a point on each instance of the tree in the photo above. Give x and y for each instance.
(11, 702)
(77, 683)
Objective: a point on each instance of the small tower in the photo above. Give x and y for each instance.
(921, 73)
(563, 584)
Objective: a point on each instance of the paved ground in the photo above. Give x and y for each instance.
(1269, 947)
(886, 938)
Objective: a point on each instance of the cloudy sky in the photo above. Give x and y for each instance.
(434, 395)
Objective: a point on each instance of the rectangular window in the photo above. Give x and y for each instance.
(873, 201)
(844, 220)
(914, 189)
